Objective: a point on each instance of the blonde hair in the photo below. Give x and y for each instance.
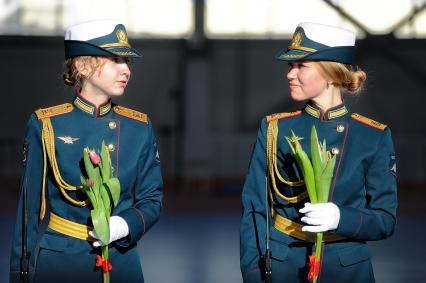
(347, 77)
(73, 77)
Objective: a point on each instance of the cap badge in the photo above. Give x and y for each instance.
(122, 36)
(297, 39)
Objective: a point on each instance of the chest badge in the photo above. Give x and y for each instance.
(68, 139)
(294, 139)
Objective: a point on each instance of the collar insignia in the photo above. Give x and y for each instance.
(68, 139)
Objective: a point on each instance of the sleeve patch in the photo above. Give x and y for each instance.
(157, 155)
(25, 153)
(392, 164)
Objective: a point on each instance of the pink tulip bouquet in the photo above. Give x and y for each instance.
(103, 191)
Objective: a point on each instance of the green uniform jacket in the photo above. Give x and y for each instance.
(56, 257)
(363, 187)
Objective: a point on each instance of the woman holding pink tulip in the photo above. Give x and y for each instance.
(91, 171)
(322, 180)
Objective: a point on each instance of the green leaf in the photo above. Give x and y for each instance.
(88, 191)
(113, 186)
(105, 196)
(100, 223)
(324, 150)
(308, 173)
(327, 178)
(105, 162)
(318, 163)
(83, 180)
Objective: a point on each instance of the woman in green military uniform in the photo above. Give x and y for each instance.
(97, 64)
(362, 202)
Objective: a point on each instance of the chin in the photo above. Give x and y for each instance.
(297, 97)
(116, 94)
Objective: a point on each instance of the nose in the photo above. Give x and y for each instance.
(125, 69)
(291, 74)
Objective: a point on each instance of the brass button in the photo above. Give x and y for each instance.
(112, 125)
(335, 150)
(111, 147)
(340, 128)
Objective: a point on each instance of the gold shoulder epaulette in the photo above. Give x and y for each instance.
(54, 111)
(368, 121)
(283, 115)
(132, 114)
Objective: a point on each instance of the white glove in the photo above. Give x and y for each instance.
(322, 216)
(118, 229)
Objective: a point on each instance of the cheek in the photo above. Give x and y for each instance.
(109, 75)
(313, 84)
(316, 87)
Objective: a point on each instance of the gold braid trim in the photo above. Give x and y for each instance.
(48, 142)
(130, 113)
(294, 229)
(368, 121)
(271, 144)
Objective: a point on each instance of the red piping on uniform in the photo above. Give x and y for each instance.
(251, 271)
(340, 161)
(143, 218)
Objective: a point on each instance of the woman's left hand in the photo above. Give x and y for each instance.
(118, 229)
(321, 217)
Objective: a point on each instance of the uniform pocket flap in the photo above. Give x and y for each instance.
(279, 251)
(353, 255)
(53, 241)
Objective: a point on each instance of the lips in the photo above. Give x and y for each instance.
(292, 84)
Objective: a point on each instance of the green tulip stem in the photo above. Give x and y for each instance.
(318, 250)
(105, 256)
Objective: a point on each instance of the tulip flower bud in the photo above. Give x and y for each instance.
(94, 157)
(90, 183)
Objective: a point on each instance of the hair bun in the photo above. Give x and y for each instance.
(68, 80)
